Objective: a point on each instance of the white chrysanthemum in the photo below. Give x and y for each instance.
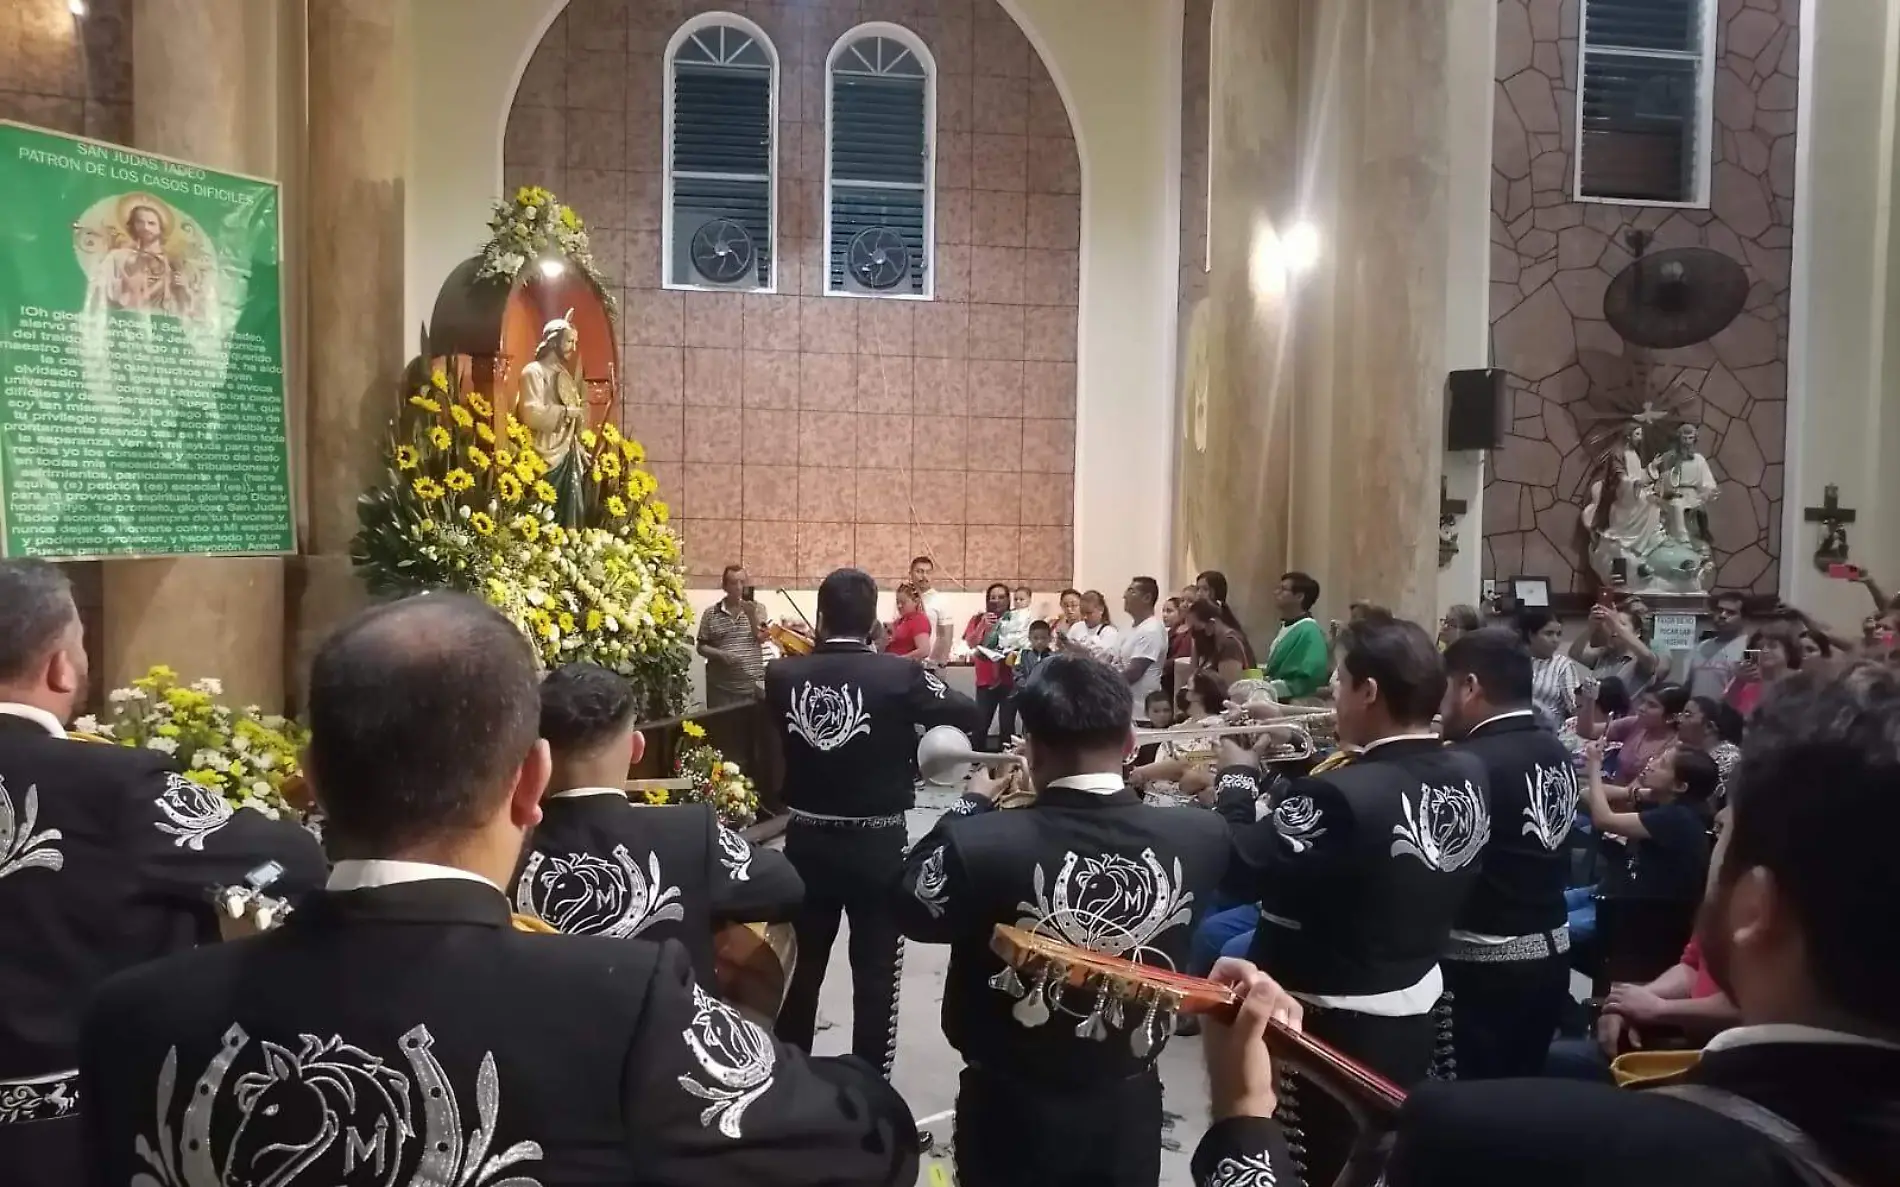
(210, 686)
(87, 724)
(162, 745)
(120, 696)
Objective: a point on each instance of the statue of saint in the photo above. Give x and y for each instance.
(552, 407)
(1686, 486)
(1621, 517)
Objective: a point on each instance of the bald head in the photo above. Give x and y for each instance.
(421, 715)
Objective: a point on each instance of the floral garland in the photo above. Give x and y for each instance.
(716, 781)
(461, 506)
(535, 224)
(246, 755)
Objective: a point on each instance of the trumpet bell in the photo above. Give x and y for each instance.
(945, 756)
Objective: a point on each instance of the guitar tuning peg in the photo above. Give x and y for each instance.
(1142, 1039)
(264, 917)
(1033, 1010)
(1091, 1027)
(1008, 982)
(1115, 1015)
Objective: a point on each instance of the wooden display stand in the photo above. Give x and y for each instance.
(487, 332)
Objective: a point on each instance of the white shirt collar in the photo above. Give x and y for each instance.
(575, 793)
(1499, 717)
(369, 875)
(1369, 747)
(34, 714)
(1096, 782)
(1788, 1032)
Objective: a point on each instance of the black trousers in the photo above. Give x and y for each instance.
(42, 1153)
(1400, 1049)
(1018, 1133)
(851, 872)
(1504, 1013)
(996, 704)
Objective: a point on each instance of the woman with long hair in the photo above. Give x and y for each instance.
(1770, 656)
(1180, 641)
(1096, 633)
(1715, 729)
(1558, 683)
(1212, 585)
(1642, 738)
(994, 679)
(1218, 648)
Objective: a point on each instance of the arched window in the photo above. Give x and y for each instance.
(721, 155)
(881, 112)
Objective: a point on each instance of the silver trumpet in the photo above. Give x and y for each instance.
(945, 756)
(1291, 735)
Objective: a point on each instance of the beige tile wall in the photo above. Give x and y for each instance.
(794, 432)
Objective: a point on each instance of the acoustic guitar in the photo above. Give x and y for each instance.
(1044, 974)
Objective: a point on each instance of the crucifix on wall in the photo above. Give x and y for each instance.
(1833, 519)
(1450, 511)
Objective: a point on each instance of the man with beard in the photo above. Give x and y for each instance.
(848, 718)
(107, 858)
(601, 865)
(1506, 967)
(1803, 897)
(398, 1029)
(1063, 1096)
(1360, 871)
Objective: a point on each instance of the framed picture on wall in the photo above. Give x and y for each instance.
(1531, 591)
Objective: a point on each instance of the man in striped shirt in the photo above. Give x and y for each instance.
(729, 641)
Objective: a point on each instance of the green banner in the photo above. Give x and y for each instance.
(141, 355)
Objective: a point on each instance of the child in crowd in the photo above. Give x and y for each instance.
(1041, 647)
(1157, 712)
(1012, 630)
(1665, 833)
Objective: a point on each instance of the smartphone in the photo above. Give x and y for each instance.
(1606, 598)
(749, 594)
(1845, 572)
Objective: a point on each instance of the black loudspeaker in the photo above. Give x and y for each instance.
(1475, 413)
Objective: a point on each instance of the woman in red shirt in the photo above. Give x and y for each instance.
(910, 633)
(1772, 655)
(994, 680)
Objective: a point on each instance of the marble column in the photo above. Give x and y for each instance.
(357, 150)
(204, 616)
(1372, 326)
(1238, 384)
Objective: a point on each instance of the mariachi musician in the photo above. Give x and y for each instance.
(1060, 1096)
(397, 1030)
(601, 865)
(1804, 1093)
(847, 717)
(1508, 967)
(1360, 870)
(106, 854)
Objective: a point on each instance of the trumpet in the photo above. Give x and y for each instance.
(1293, 734)
(945, 756)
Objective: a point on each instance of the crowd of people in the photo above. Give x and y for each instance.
(497, 971)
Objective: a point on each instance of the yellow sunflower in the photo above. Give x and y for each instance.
(510, 487)
(524, 470)
(609, 465)
(588, 439)
(462, 416)
(595, 474)
(485, 433)
(428, 487)
(477, 458)
(520, 433)
(482, 524)
(632, 450)
(425, 403)
(693, 729)
(441, 380)
(609, 434)
(567, 622)
(546, 493)
(556, 534)
(439, 437)
(657, 796)
(504, 458)
(616, 507)
(594, 619)
(458, 480)
(407, 457)
(480, 404)
(527, 527)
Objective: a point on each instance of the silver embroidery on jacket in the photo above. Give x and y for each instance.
(582, 894)
(20, 847)
(1444, 827)
(737, 1057)
(933, 888)
(39, 1098)
(1297, 819)
(735, 853)
(192, 811)
(330, 1113)
(1251, 1170)
(1552, 792)
(1109, 903)
(935, 685)
(828, 717)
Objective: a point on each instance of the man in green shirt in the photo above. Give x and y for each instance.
(1299, 661)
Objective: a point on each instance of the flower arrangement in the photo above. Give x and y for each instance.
(716, 780)
(462, 506)
(535, 224)
(245, 755)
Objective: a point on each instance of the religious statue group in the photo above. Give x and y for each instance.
(1648, 519)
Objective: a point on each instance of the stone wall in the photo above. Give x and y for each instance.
(1552, 258)
(794, 432)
